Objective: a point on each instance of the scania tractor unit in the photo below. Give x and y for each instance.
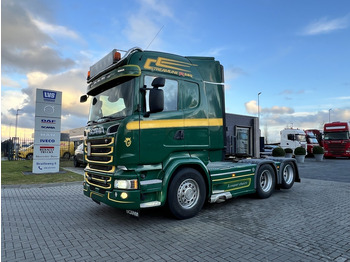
(337, 139)
(156, 136)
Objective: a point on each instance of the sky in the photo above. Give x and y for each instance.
(296, 53)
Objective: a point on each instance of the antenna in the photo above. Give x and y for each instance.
(154, 37)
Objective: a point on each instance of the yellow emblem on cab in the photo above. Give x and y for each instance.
(127, 141)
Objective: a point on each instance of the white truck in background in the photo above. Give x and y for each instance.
(293, 138)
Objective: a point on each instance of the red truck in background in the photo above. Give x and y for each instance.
(311, 141)
(337, 139)
(318, 134)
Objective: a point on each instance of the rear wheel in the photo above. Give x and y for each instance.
(186, 194)
(266, 181)
(288, 176)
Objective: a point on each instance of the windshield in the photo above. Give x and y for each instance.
(336, 135)
(113, 103)
(313, 140)
(300, 138)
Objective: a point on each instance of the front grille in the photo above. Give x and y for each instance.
(101, 167)
(101, 141)
(98, 180)
(99, 151)
(336, 148)
(106, 159)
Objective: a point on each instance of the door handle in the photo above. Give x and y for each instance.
(179, 135)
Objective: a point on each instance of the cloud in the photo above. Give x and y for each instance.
(233, 73)
(24, 46)
(144, 26)
(8, 82)
(252, 108)
(325, 26)
(56, 30)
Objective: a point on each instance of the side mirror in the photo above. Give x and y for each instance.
(156, 100)
(158, 82)
(290, 137)
(83, 98)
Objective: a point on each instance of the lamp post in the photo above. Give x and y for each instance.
(16, 139)
(329, 115)
(16, 122)
(10, 131)
(259, 108)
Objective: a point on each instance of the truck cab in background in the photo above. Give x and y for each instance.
(311, 141)
(337, 139)
(293, 138)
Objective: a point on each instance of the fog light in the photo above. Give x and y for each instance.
(124, 195)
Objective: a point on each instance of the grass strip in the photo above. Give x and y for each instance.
(12, 173)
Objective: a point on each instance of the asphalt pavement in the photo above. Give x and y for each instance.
(309, 222)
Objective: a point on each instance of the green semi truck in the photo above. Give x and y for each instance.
(156, 136)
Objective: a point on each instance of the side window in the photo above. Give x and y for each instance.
(190, 95)
(170, 90)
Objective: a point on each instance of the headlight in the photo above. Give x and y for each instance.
(126, 184)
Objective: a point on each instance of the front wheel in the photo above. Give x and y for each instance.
(29, 157)
(266, 181)
(75, 162)
(186, 193)
(66, 155)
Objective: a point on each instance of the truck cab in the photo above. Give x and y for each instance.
(337, 139)
(293, 138)
(311, 141)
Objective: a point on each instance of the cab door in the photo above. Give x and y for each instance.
(161, 133)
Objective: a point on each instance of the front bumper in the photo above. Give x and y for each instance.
(123, 199)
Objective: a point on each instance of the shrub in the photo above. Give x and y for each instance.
(300, 151)
(288, 150)
(318, 150)
(278, 151)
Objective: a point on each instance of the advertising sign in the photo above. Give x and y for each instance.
(47, 110)
(46, 152)
(47, 134)
(44, 138)
(45, 166)
(47, 124)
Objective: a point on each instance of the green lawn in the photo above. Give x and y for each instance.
(12, 174)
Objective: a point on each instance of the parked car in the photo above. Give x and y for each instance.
(79, 156)
(268, 150)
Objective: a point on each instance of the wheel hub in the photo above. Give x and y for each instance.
(188, 193)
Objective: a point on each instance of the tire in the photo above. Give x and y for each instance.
(187, 193)
(75, 162)
(29, 157)
(288, 176)
(265, 182)
(66, 155)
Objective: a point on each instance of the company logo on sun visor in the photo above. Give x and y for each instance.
(169, 66)
(49, 96)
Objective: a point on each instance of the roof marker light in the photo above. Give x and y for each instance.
(116, 57)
